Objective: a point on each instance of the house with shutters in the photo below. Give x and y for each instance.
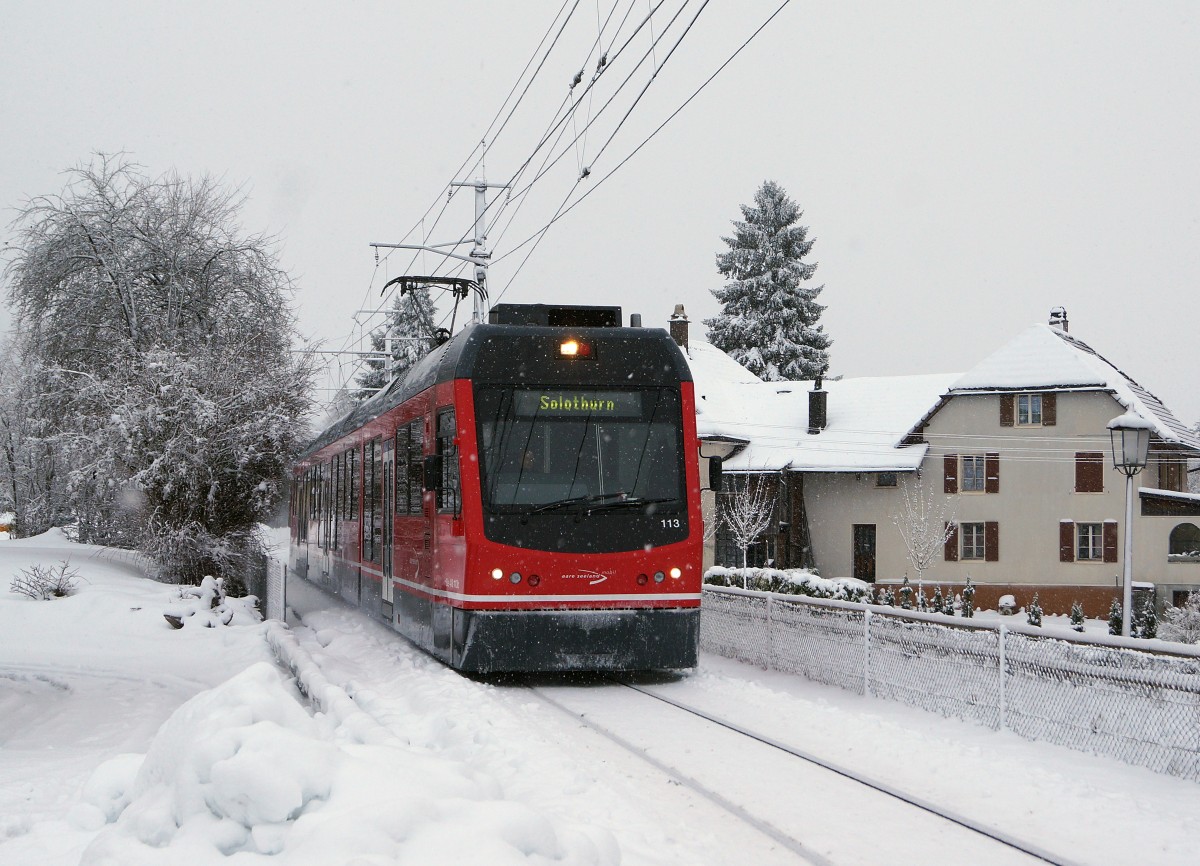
(1013, 456)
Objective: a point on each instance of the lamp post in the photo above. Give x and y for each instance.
(1130, 436)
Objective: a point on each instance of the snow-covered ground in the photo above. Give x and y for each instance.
(124, 741)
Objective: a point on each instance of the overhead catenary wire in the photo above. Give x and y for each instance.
(643, 143)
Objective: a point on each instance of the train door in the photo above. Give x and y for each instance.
(389, 517)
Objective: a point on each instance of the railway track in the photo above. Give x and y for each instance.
(914, 829)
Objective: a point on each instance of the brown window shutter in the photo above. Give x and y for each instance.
(1066, 541)
(952, 543)
(1110, 541)
(1089, 472)
(991, 541)
(950, 461)
(1049, 410)
(1007, 412)
(991, 465)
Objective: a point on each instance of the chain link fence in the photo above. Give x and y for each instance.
(1093, 694)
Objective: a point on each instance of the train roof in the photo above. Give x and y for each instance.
(505, 354)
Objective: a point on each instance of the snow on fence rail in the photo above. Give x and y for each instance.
(1094, 694)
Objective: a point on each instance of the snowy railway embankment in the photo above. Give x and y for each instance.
(1108, 696)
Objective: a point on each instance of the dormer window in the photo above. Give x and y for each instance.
(1029, 410)
(1035, 409)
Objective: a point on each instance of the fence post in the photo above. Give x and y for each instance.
(770, 632)
(866, 652)
(1003, 665)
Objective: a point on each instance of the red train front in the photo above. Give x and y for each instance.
(525, 499)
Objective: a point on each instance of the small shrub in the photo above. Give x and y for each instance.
(1077, 616)
(1034, 615)
(1115, 618)
(41, 582)
(968, 600)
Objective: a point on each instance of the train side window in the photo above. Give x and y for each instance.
(448, 491)
(352, 471)
(416, 469)
(400, 498)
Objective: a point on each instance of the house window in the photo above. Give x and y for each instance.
(1029, 410)
(1172, 475)
(1089, 541)
(885, 479)
(973, 543)
(1185, 543)
(973, 473)
(1089, 472)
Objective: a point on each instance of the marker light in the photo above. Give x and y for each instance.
(497, 573)
(574, 349)
(659, 577)
(642, 580)
(534, 580)
(515, 577)
(675, 573)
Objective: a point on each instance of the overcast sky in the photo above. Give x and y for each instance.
(964, 167)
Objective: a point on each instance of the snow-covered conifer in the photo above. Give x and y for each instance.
(968, 599)
(1145, 620)
(937, 602)
(1033, 616)
(411, 327)
(922, 604)
(889, 597)
(906, 594)
(1077, 616)
(769, 315)
(1115, 616)
(948, 603)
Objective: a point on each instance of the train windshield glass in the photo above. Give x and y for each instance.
(579, 448)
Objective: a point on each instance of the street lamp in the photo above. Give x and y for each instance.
(1130, 436)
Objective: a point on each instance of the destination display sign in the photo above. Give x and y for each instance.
(575, 403)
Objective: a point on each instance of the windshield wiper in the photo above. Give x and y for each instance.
(630, 501)
(597, 501)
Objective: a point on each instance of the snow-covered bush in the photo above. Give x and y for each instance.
(42, 582)
(1182, 624)
(792, 581)
(207, 606)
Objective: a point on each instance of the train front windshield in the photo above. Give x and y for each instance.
(580, 448)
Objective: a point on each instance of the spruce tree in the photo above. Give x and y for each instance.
(1114, 617)
(769, 315)
(411, 325)
(906, 595)
(889, 598)
(948, 603)
(1034, 615)
(1077, 616)
(968, 600)
(938, 604)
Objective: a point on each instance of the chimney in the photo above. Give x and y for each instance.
(1058, 318)
(679, 326)
(817, 405)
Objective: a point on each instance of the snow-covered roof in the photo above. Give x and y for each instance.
(1043, 357)
(866, 417)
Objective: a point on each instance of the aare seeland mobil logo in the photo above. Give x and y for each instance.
(592, 577)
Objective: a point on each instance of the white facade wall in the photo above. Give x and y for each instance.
(1036, 492)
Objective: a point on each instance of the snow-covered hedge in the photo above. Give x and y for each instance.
(791, 581)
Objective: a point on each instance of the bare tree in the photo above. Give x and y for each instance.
(747, 511)
(157, 346)
(926, 522)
